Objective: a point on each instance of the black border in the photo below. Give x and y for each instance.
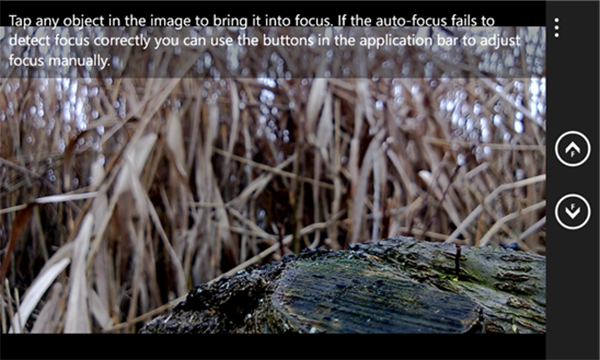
(330, 346)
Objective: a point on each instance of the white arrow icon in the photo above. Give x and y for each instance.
(572, 146)
(573, 151)
(572, 214)
(573, 209)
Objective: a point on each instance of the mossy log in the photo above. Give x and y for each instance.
(398, 285)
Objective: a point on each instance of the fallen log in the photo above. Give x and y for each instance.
(398, 285)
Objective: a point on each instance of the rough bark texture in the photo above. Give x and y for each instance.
(396, 285)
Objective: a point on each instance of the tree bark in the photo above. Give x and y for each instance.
(398, 285)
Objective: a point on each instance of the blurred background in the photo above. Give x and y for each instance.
(119, 193)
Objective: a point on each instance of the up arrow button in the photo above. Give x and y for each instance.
(573, 148)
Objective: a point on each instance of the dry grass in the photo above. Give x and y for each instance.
(175, 181)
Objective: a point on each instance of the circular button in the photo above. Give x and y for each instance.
(572, 211)
(573, 148)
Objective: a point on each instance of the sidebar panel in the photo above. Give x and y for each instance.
(573, 181)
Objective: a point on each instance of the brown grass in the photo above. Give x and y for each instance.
(176, 181)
